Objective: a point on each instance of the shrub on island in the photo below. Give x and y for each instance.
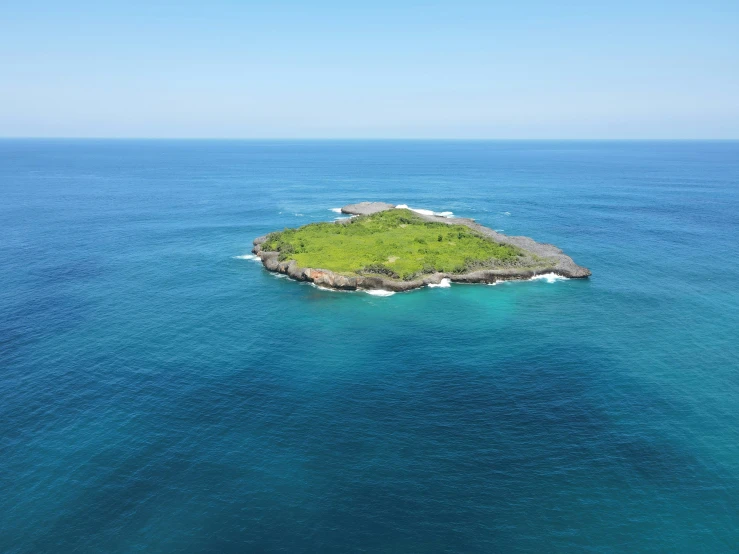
(393, 243)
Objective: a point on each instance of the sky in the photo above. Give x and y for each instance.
(383, 69)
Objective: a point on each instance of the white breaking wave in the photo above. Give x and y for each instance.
(444, 284)
(548, 277)
(319, 287)
(336, 210)
(342, 218)
(380, 292)
(424, 212)
(248, 257)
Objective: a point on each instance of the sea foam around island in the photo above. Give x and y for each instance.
(379, 292)
(445, 283)
(424, 211)
(373, 292)
(327, 289)
(251, 257)
(421, 211)
(548, 277)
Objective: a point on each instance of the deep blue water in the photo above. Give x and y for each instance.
(160, 394)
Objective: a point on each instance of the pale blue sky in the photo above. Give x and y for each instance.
(462, 69)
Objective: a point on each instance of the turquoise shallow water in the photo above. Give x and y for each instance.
(160, 394)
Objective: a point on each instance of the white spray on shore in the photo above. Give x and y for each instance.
(445, 283)
(548, 277)
(379, 292)
(423, 211)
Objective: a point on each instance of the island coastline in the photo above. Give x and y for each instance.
(558, 264)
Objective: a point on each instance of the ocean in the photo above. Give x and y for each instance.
(161, 392)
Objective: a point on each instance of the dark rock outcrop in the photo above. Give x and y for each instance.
(540, 259)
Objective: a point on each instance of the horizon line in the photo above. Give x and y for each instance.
(459, 139)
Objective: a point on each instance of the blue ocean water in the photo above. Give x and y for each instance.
(158, 393)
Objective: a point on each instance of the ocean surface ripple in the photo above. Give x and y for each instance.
(161, 392)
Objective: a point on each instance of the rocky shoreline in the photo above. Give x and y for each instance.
(550, 259)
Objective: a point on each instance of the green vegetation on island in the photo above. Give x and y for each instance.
(395, 243)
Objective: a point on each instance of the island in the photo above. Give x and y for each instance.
(394, 248)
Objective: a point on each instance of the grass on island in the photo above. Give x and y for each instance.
(394, 243)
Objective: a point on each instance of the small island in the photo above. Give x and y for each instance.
(384, 247)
